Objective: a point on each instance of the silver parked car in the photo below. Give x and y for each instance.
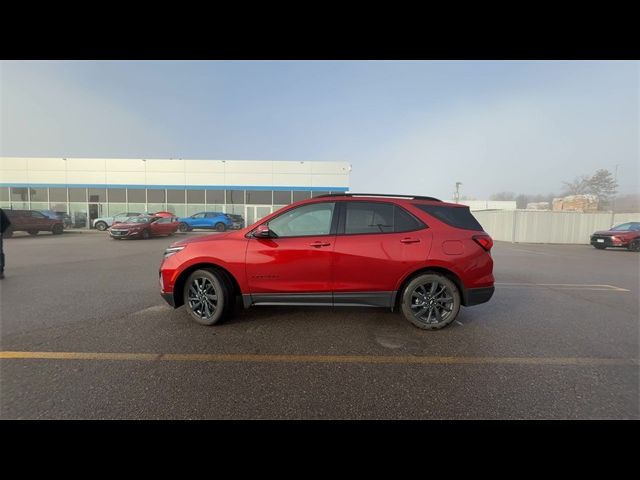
(102, 223)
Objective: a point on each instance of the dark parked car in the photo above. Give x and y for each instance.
(418, 255)
(626, 235)
(32, 221)
(63, 216)
(238, 221)
(144, 226)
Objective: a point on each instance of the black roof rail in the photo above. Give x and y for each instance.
(413, 197)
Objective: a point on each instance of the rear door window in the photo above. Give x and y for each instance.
(377, 217)
(459, 217)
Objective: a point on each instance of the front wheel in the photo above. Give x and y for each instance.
(145, 234)
(220, 227)
(431, 301)
(57, 229)
(33, 232)
(600, 247)
(183, 227)
(206, 297)
(634, 246)
(101, 226)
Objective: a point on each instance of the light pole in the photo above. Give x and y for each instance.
(457, 194)
(613, 203)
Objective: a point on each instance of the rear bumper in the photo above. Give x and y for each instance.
(476, 296)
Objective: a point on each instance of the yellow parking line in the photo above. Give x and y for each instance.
(371, 359)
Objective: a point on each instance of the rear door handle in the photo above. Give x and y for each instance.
(410, 240)
(320, 244)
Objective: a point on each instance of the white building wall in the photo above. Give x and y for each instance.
(179, 172)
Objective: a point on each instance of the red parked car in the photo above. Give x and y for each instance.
(32, 221)
(426, 257)
(144, 226)
(626, 235)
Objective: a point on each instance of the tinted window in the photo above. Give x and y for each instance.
(212, 214)
(116, 195)
(301, 195)
(459, 217)
(314, 219)
(39, 195)
(405, 222)
(155, 196)
(97, 194)
(135, 195)
(38, 215)
(175, 196)
(260, 197)
(368, 217)
(282, 198)
(235, 197)
(198, 215)
(215, 196)
(195, 196)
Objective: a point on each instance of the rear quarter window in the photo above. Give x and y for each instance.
(459, 217)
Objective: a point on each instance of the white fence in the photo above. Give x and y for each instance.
(528, 226)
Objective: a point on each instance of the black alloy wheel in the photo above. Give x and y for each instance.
(431, 301)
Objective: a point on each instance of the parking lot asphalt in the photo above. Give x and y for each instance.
(559, 340)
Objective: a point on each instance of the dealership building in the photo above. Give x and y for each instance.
(87, 188)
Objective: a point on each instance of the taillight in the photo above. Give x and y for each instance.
(484, 241)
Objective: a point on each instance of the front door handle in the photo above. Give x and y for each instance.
(319, 244)
(410, 240)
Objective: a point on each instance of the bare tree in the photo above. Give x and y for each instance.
(503, 196)
(579, 186)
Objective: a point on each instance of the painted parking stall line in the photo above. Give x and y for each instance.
(564, 286)
(357, 359)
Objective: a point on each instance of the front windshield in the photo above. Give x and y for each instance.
(622, 228)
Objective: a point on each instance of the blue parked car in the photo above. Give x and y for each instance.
(208, 220)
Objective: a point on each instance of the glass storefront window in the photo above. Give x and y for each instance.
(301, 195)
(178, 210)
(215, 197)
(39, 205)
(235, 197)
(133, 207)
(117, 195)
(78, 213)
(136, 195)
(282, 198)
(77, 194)
(198, 207)
(156, 196)
(20, 205)
(58, 207)
(97, 195)
(19, 194)
(58, 195)
(195, 196)
(259, 197)
(215, 208)
(315, 193)
(175, 196)
(155, 207)
(116, 208)
(235, 209)
(4, 194)
(39, 195)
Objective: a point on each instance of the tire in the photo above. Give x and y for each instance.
(57, 229)
(215, 309)
(33, 233)
(102, 226)
(422, 301)
(183, 227)
(634, 246)
(600, 247)
(145, 235)
(220, 227)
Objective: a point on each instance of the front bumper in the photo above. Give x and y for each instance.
(607, 241)
(476, 296)
(125, 233)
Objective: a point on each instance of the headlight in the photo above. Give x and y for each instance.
(171, 250)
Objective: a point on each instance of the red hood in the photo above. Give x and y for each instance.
(205, 238)
(617, 233)
(128, 225)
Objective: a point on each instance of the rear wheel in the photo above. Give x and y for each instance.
(220, 227)
(634, 246)
(145, 234)
(33, 232)
(206, 297)
(102, 226)
(57, 229)
(600, 247)
(431, 301)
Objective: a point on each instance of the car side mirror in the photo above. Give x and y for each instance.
(262, 231)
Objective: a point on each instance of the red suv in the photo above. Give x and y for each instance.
(33, 222)
(418, 254)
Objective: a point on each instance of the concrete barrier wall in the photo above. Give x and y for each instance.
(548, 227)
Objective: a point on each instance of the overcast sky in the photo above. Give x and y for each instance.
(406, 127)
